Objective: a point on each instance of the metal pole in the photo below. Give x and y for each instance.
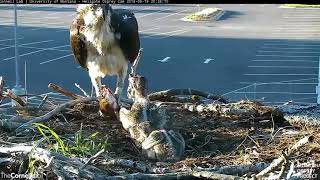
(254, 90)
(18, 90)
(16, 46)
(318, 87)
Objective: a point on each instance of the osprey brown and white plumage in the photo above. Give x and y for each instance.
(104, 41)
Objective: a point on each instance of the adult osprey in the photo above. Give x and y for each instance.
(104, 41)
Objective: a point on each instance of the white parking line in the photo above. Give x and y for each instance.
(73, 14)
(39, 28)
(32, 12)
(287, 81)
(163, 33)
(282, 55)
(274, 92)
(174, 34)
(297, 33)
(32, 47)
(6, 47)
(7, 22)
(12, 39)
(44, 62)
(62, 30)
(170, 15)
(26, 18)
(9, 26)
(299, 52)
(43, 23)
(51, 14)
(138, 11)
(283, 60)
(294, 36)
(33, 52)
(301, 17)
(37, 42)
(149, 30)
(278, 83)
(290, 48)
(303, 24)
(277, 74)
(283, 44)
(283, 102)
(295, 67)
(301, 28)
(148, 14)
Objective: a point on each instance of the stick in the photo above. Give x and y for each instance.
(64, 167)
(135, 63)
(83, 91)
(162, 95)
(16, 98)
(277, 162)
(140, 166)
(1, 88)
(177, 175)
(1, 85)
(55, 111)
(43, 101)
(62, 91)
(92, 158)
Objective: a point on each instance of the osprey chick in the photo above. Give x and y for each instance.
(104, 41)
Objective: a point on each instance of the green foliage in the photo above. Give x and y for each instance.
(82, 146)
(31, 166)
(87, 146)
(61, 147)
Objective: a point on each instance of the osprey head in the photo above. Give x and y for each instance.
(94, 14)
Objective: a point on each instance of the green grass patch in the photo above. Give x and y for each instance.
(80, 146)
(302, 5)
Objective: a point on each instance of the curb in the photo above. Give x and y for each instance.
(219, 15)
(215, 17)
(293, 7)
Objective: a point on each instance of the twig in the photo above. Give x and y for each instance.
(16, 98)
(236, 169)
(62, 166)
(162, 95)
(281, 159)
(43, 101)
(62, 91)
(289, 174)
(299, 144)
(1, 88)
(55, 111)
(83, 91)
(135, 63)
(140, 166)
(284, 165)
(92, 158)
(178, 175)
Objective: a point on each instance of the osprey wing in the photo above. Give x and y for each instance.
(126, 32)
(78, 42)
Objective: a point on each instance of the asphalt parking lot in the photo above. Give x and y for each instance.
(254, 51)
